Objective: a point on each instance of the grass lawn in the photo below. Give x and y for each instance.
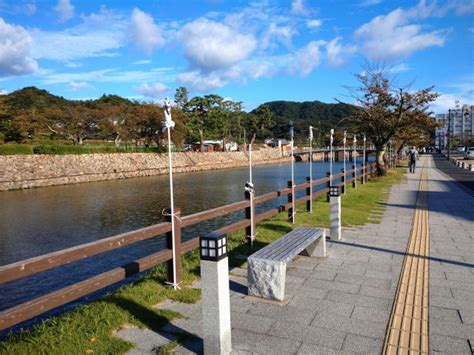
(89, 329)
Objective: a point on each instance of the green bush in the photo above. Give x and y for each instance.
(60, 149)
(12, 149)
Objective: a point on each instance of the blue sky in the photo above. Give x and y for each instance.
(249, 51)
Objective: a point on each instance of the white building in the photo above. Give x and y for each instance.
(462, 125)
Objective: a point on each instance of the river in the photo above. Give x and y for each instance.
(38, 221)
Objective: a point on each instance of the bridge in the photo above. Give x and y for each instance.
(323, 154)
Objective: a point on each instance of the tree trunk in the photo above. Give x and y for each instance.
(380, 152)
(117, 140)
(201, 139)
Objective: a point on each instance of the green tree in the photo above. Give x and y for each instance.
(75, 121)
(259, 122)
(181, 97)
(385, 112)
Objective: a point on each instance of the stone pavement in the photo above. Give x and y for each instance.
(451, 220)
(342, 304)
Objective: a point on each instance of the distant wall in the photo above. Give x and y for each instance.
(28, 171)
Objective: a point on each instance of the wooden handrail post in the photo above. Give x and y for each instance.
(354, 176)
(177, 245)
(290, 200)
(248, 216)
(309, 203)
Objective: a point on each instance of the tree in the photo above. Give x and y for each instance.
(385, 112)
(181, 97)
(75, 121)
(259, 123)
(197, 109)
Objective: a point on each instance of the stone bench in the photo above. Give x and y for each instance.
(267, 267)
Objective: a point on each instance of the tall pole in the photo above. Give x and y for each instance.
(292, 134)
(168, 125)
(449, 134)
(252, 196)
(344, 158)
(331, 139)
(363, 160)
(310, 169)
(355, 151)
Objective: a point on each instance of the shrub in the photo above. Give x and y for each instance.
(12, 149)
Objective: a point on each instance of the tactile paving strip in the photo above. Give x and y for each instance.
(407, 331)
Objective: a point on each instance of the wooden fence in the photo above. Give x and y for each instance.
(42, 304)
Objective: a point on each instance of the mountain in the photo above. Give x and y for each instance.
(31, 98)
(320, 115)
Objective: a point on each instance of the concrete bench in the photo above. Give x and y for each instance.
(267, 267)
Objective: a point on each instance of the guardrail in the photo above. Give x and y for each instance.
(42, 304)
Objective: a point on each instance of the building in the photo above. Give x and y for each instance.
(460, 123)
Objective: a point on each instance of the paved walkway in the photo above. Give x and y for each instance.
(343, 304)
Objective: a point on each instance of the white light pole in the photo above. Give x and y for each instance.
(344, 140)
(168, 124)
(363, 159)
(292, 134)
(310, 169)
(355, 159)
(249, 187)
(331, 139)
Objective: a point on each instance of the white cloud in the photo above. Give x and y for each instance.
(99, 35)
(298, 8)
(142, 62)
(275, 33)
(306, 59)
(78, 85)
(210, 45)
(3, 92)
(389, 36)
(465, 8)
(447, 101)
(399, 68)
(314, 24)
(16, 7)
(15, 47)
(144, 32)
(338, 53)
(155, 90)
(202, 82)
(65, 10)
(108, 76)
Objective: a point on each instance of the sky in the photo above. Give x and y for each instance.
(248, 51)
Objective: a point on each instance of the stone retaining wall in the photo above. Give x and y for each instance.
(28, 171)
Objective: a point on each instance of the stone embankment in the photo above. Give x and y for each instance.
(28, 171)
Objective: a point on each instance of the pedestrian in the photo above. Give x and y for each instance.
(412, 156)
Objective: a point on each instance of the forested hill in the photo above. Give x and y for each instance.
(315, 113)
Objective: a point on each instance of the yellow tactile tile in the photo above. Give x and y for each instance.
(407, 332)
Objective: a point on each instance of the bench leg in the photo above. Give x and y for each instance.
(266, 279)
(318, 248)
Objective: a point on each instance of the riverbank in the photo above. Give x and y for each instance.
(92, 328)
(30, 171)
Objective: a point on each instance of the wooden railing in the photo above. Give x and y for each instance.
(42, 304)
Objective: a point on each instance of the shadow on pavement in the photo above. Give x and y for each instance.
(391, 251)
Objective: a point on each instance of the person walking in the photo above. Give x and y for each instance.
(412, 157)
